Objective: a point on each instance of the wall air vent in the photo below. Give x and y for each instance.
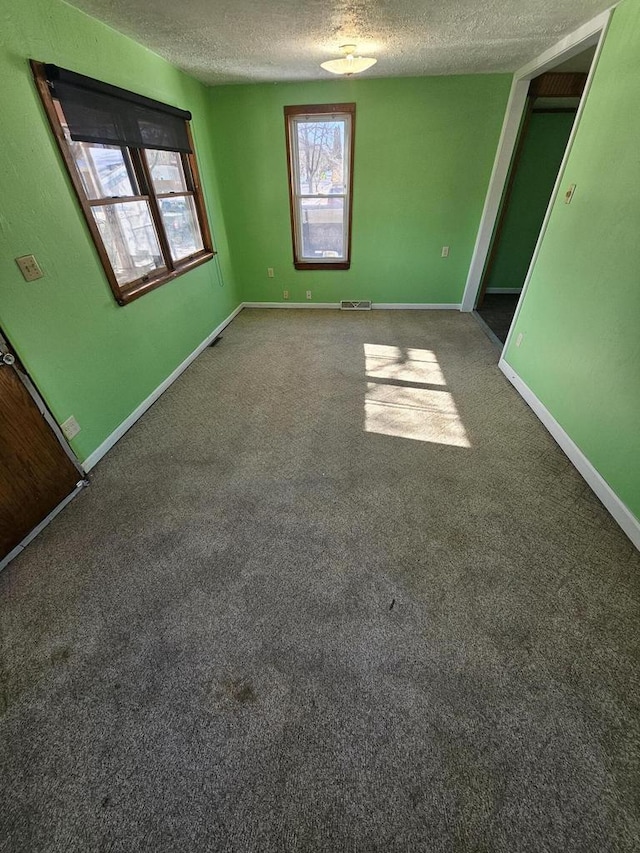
(361, 305)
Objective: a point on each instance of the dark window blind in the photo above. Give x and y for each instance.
(101, 113)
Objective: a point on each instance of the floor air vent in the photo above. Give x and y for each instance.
(362, 305)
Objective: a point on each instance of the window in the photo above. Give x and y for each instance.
(320, 159)
(132, 165)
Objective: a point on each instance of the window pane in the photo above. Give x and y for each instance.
(322, 228)
(321, 146)
(130, 239)
(105, 170)
(166, 170)
(181, 226)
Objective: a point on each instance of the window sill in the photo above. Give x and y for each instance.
(317, 265)
(139, 288)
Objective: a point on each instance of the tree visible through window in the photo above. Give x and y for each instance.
(320, 157)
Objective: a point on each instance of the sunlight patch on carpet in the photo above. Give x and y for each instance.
(406, 397)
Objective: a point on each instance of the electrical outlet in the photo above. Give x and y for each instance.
(308, 294)
(270, 272)
(519, 339)
(70, 428)
(285, 294)
(29, 267)
(445, 252)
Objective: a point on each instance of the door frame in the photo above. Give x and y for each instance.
(24, 377)
(589, 34)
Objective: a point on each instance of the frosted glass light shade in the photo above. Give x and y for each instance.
(348, 65)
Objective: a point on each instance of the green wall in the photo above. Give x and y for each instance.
(545, 141)
(424, 149)
(581, 313)
(89, 357)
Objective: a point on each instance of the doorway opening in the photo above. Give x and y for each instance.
(500, 262)
(550, 111)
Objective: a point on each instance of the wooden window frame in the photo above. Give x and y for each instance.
(327, 110)
(128, 292)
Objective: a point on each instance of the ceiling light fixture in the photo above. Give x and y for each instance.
(350, 63)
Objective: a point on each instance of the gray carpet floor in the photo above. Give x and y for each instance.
(338, 590)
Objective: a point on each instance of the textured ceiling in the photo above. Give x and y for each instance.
(234, 41)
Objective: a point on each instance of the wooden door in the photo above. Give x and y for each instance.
(36, 473)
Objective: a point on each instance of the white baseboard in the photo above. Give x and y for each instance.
(137, 413)
(402, 306)
(620, 512)
(503, 290)
(417, 306)
(290, 304)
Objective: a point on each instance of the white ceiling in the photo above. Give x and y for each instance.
(235, 41)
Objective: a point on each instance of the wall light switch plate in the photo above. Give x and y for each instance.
(270, 272)
(519, 339)
(569, 194)
(29, 267)
(445, 252)
(70, 428)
